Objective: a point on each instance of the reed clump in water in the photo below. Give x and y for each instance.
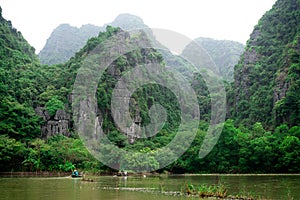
(205, 190)
(216, 191)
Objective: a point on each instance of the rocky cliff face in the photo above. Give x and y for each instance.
(263, 74)
(59, 124)
(124, 64)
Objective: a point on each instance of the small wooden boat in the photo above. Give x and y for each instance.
(76, 176)
(122, 173)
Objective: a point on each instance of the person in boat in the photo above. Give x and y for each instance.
(122, 173)
(75, 173)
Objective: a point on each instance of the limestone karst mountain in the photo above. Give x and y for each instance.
(66, 40)
(266, 79)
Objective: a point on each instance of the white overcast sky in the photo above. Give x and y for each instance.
(219, 19)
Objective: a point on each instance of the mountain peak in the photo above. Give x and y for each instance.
(128, 21)
(66, 40)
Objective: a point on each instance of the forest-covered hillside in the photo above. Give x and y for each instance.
(266, 87)
(25, 86)
(261, 133)
(19, 84)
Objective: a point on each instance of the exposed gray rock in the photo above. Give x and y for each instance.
(41, 111)
(54, 127)
(58, 125)
(282, 86)
(250, 57)
(61, 115)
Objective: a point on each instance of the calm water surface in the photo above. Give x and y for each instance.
(62, 188)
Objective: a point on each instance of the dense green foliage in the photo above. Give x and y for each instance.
(261, 134)
(56, 154)
(18, 84)
(24, 85)
(247, 150)
(287, 109)
(266, 78)
(53, 105)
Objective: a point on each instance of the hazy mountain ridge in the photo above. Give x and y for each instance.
(128, 22)
(224, 53)
(65, 41)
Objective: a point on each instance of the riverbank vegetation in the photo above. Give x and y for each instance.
(239, 150)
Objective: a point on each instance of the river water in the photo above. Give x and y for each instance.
(139, 188)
